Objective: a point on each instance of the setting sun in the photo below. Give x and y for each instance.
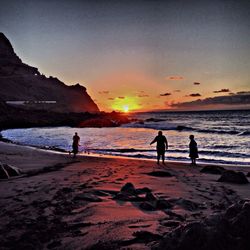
(126, 108)
(125, 104)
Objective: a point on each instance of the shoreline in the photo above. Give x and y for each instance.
(63, 158)
(80, 202)
(62, 151)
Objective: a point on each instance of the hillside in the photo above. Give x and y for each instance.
(21, 82)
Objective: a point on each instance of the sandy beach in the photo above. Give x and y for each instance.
(64, 203)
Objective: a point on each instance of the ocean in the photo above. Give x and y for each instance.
(222, 136)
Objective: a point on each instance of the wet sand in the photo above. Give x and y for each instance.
(65, 203)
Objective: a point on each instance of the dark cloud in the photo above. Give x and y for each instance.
(243, 92)
(197, 83)
(111, 98)
(222, 91)
(121, 97)
(193, 95)
(177, 90)
(104, 92)
(240, 93)
(175, 78)
(143, 95)
(165, 94)
(242, 99)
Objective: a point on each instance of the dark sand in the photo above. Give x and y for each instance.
(63, 203)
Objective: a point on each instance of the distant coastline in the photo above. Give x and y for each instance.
(189, 111)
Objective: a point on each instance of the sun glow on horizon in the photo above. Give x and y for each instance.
(125, 104)
(126, 108)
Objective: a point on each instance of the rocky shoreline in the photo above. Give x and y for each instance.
(13, 117)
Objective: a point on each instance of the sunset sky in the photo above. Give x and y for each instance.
(138, 55)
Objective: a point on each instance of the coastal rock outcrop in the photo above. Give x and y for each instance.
(212, 170)
(233, 177)
(160, 174)
(7, 171)
(25, 87)
(230, 230)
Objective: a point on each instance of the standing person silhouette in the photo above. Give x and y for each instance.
(193, 150)
(161, 146)
(75, 144)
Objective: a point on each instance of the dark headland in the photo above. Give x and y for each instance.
(29, 98)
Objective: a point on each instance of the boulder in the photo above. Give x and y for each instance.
(241, 221)
(7, 171)
(128, 193)
(12, 171)
(128, 188)
(193, 236)
(233, 177)
(3, 173)
(150, 197)
(233, 210)
(212, 170)
(186, 204)
(229, 230)
(162, 204)
(124, 196)
(147, 206)
(153, 203)
(160, 174)
(170, 223)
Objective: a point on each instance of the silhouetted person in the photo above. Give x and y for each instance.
(161, 146)
(193, 150)
(75, 144)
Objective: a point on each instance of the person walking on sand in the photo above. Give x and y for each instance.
(193, 150)
(75, 144)
(161, 146)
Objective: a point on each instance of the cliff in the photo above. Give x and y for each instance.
(21, 82)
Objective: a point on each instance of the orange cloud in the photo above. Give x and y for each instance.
(193, 95)
(165, 94)
(175, 78)
(221, 91)
(104, 92)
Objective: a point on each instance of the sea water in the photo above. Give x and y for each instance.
(222, 136)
